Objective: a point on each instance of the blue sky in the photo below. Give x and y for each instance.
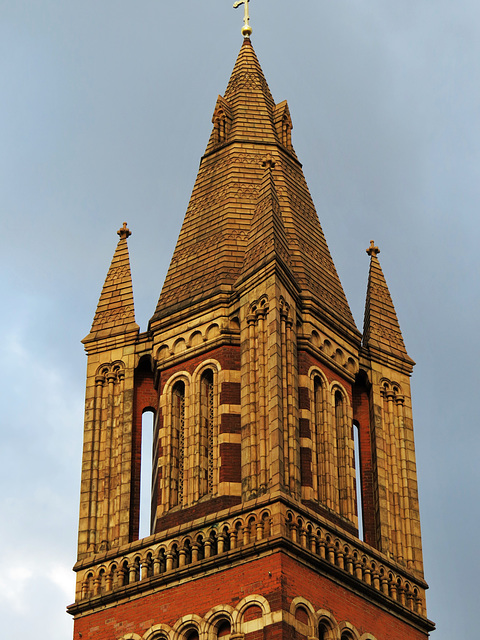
(105, 112)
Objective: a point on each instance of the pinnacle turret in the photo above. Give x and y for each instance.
(381, 330)
(115, 313)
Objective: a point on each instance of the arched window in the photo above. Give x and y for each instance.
(146, 473)
(178, 442)
(191, 634)
(345, 456)
(323, 631)
(223, 628)
(206, 444)
(318, 439)
(220, 127)
(358, 479)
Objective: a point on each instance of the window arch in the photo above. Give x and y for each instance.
(206, 444)
(345, 453)
(177, 443)
(187, 447)
(318, 437)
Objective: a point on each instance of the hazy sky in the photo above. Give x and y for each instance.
(105, 111)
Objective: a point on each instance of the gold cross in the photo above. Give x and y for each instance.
(246, 29)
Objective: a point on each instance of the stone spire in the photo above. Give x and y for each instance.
(115, 313)
(210, 252)
(249, 98)
(381, 330)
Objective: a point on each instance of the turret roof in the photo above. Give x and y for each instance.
(115, 313)
(381, 329)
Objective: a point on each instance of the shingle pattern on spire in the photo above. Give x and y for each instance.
(209, 255)
(381, 329)
(115, 310)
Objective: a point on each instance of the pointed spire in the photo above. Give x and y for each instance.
(210, 253)
(381, 330)
(115, 313)
(267, 241)
(252, 105)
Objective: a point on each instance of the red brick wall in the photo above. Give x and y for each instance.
(230, 423)
(279, 578)
(230, 462)
(199, 510)
(306, 467)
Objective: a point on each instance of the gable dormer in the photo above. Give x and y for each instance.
(283, 124)
(222, 121)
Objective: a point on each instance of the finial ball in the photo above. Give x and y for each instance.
(247, 31)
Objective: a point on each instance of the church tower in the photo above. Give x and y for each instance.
(265, 394)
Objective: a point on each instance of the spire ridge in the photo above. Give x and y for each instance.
(267, 241)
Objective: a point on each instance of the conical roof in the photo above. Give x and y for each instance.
(210, 251)
(381, 329)
(115, 313)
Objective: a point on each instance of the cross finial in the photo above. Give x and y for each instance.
(124, 232)
(246, 29)
(372, 249)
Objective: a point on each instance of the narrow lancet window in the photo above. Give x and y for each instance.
(206, 447)
(146, 473)
(178, 442)
(358, 479)
(318, 440)
(342, 452)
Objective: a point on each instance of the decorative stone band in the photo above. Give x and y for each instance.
(200, 547)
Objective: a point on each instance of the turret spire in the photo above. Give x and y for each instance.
(115, 313)
(381, 329)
